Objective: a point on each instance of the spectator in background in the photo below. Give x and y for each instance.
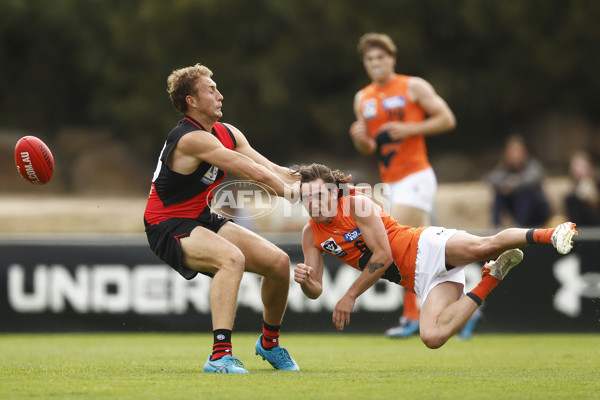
(583, 203)
(394, 113)
(517, 183)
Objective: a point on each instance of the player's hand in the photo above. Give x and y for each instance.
(361, 138)
(341, 312)
(302, 273)
(358, 130)
(292, 192)
(399, 130)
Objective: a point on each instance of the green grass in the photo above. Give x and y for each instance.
(334, 366)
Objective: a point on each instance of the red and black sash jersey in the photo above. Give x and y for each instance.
(173, 195)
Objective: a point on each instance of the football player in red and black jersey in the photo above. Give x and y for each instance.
(185, 234)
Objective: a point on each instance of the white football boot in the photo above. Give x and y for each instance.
(504, 263)
(562, 238)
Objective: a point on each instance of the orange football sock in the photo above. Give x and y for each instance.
(543, 235)
(410, 309)
(485, 287)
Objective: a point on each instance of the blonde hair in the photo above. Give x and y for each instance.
(181, 83)
(376, 40)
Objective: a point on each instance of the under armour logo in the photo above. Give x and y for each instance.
(574, 285)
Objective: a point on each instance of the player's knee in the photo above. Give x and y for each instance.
(282, 266)
(276, 267)
(433, 340)
(233, 262)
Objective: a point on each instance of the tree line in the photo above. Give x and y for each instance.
(288, 69)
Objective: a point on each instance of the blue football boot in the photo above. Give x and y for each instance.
(407, 327)
(278, 357)
(467, 330)
(225, 365)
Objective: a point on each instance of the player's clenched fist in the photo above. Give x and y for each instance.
(302, 273)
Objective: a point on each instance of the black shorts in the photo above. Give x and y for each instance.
(164, 238)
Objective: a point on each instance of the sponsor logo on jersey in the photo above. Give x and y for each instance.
(369, 109)
(390, 103)
(210, 176)
(353, 235)
(333, 248)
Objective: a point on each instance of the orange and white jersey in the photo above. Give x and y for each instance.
(390, 102)
(342, 239)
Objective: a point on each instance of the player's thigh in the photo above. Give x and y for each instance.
(206, 251)
(410, 216)
(262, 257)
(463, 248)
(438, 299)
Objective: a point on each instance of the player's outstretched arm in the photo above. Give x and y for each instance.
(310, 274)
(193, 149)
(244, 147)
(367, 216)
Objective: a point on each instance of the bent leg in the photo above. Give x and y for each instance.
(411, 216)
(206, 251)
(464, 248)
(444, 313)
(265, 259)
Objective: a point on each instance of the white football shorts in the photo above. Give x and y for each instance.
(416, 190)
(430, 268)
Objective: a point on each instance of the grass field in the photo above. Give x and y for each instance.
(334, 366)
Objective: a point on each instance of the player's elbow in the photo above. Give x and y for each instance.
(313, 294)
(450, 121)
(385, 258)
(389, 260)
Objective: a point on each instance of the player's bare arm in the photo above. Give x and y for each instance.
(367, 216)
(243, 146)
(440, 117)
(310, 274)
(358, 130)
(289, 186)
(198, 146)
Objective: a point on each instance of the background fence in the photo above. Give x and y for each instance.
(115, 283)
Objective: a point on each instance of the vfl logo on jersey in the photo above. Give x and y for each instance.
(393, 102)
(353, 235)
(333, 248)
(210, 176)
(369, 109)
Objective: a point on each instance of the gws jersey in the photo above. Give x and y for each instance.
(343, 239)
(390, 102)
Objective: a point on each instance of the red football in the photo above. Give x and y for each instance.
(34, 160)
